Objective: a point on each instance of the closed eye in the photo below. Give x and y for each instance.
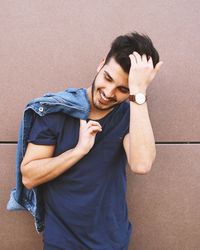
(123, 89)
(107, 78)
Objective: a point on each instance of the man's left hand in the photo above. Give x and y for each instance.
(142, 72)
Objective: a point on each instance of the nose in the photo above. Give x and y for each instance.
(109, 91)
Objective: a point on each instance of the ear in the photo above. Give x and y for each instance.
(101, 64)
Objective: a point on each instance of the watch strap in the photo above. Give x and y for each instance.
(132, 98)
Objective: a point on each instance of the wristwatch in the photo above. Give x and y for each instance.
(138, 98)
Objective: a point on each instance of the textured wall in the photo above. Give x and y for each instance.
(51, 45)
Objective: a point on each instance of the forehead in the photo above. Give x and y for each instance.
(116, 72)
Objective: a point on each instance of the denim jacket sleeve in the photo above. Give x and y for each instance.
(70, 101)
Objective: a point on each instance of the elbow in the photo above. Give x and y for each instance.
(143, 163)
(26, 181)
(141, 168)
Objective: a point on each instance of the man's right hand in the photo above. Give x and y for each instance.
(87, 134)
(40, 166)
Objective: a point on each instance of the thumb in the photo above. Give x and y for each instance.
(156, 70)
(158, 66)
(82, 122)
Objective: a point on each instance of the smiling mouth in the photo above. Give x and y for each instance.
(104, 100)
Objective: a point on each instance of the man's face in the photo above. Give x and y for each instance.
(110, 86)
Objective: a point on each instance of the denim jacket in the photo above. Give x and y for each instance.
(70, 101)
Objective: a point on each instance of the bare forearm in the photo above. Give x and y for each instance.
(141, 139)
(40, 171)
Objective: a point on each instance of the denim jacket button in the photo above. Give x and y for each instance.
(41, 109)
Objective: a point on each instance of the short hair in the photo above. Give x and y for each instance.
(124, 45)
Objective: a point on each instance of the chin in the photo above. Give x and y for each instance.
(101, 106)
(96, 96)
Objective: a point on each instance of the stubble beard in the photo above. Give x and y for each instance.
(95, 104)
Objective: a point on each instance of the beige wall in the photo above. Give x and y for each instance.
(51, 45)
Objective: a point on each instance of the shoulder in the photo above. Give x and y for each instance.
(52, 120)
(51, 117)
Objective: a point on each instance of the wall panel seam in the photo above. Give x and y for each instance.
(159, 142)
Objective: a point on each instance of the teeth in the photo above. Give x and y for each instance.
(103, 97)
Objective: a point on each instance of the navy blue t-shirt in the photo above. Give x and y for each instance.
(85, 207)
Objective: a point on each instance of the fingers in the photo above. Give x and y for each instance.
(144, 58)
(150, 62)
(94, 129)
(137, 56)
(142, 70)
(137, 59)
(91, 125)
(133, 59)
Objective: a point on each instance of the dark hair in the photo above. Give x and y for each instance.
(123, 46)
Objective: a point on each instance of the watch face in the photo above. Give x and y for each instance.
(140, 98)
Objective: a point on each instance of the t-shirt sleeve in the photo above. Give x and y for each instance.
(43, 131)
(126, 117)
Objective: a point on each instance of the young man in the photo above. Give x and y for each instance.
(80, 164)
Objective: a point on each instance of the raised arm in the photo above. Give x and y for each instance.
(139, 144)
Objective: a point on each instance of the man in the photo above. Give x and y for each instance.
(80, 164)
